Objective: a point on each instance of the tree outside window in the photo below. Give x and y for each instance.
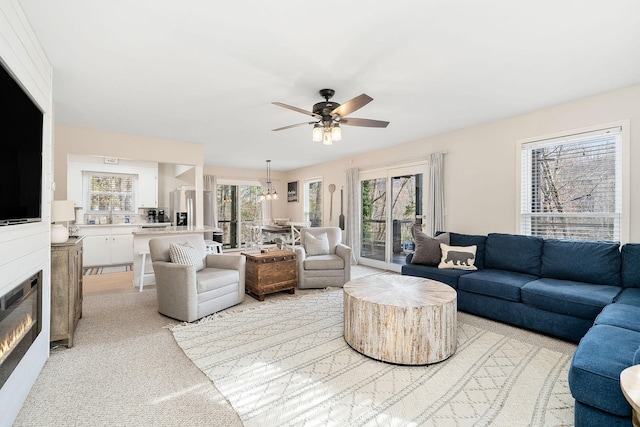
(313, 202)
(571, 187)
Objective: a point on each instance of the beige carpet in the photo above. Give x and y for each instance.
(287, 364)
(126, 368)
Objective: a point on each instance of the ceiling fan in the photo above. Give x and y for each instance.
(330, 115)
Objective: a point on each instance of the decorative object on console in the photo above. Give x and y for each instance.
(330, 115)
(269, 195)
(61, 211)
(428, 250)
(458, 257)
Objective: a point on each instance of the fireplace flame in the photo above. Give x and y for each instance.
(14, 337)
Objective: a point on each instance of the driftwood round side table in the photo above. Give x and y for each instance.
(400, 319)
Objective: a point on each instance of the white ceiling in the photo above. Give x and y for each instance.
(207, 71)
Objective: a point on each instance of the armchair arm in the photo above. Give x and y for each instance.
(344, 252)
(229, 262)
(176, 289)
(300, 256)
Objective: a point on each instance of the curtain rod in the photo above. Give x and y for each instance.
(399, 163)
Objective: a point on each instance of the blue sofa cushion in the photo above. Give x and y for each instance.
(450, 277)
(582, 261)
(495, 283)
(514, 253)
(457, 239)
(620, 315)
(629, 296)
(594, 375)
(631, 265)
(577, 299)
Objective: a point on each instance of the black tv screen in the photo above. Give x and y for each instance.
(20, 153)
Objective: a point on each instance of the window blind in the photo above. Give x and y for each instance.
(111, 192)
(571, 186)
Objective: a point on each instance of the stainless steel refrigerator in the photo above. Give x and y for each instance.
(183, 207)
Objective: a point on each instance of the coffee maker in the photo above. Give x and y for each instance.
(161, 217)
(151, 215)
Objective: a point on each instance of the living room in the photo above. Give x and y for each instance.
(482, 160)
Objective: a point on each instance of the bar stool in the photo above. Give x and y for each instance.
(213, 247)
(144, 252)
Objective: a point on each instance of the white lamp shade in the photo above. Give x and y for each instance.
(62, 210)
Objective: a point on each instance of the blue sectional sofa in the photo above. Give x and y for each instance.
(581, 291)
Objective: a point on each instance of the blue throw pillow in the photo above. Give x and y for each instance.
(587, 261)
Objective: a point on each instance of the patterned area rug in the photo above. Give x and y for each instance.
(286, 363)
(108, 269)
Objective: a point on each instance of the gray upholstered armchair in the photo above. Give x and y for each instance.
(187, 295)
(317, 269)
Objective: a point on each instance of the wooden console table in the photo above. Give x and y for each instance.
(66, 289)
(270, 272)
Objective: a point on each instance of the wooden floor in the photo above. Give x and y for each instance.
(109, 281)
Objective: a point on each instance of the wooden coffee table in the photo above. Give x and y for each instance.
(269, 272)
(630, 384)
(400, 319)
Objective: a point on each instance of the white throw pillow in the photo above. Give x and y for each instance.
(316, 245)
(458, 257)
(186, 254)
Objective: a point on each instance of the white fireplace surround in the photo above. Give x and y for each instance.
(26, 248)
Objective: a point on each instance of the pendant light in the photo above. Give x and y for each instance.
(268, 195)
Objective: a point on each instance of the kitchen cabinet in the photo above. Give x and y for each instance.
(66, 289)
(147, 196)
(108, 245)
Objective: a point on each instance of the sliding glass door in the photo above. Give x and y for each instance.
(392, 201)
(239, 210)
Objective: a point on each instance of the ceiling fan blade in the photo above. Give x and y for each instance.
(299, 110)
(352, 105)
(294, 126)
(364, 122)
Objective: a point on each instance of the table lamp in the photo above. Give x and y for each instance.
(61, 211)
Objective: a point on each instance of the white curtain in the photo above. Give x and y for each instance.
(352, 226)
(435, 201)
(211, 184)
(266, 205)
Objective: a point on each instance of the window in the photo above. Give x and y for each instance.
(110, 192)
(313, 202)
(571, 187)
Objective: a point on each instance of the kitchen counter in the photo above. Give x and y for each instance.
(175, 230)
(124, 224)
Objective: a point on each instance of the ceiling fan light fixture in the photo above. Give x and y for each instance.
(326, 137)
(317, 132)
(336, 132)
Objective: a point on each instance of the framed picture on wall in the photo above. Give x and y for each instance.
(292, 191)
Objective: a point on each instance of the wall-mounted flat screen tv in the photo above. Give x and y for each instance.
(20, 153)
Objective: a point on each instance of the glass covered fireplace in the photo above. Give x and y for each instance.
(20, 323)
